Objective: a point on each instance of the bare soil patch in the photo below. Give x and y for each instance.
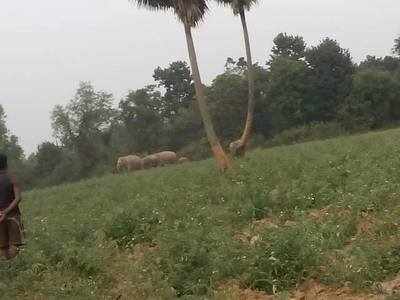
(313, 290)
(232, 290)
(391, 287)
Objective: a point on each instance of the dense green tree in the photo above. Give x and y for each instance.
(182, 125)
(288, 84)
(141, 114)
(3, 126)
(61, 125)
(387, 63)
(70, 168)
(177, 83)
(396, 48)
(119, 140)
(190, 13)
(226, 95)
(287, 92)
(262, 119)
(184, 129)
(14, 150)
(48, 156)
(239, 7)
(332, 69)
(235, 67)
(292, 46)
(374, 100)
(80, 125)
(88, 113)
(9, 144)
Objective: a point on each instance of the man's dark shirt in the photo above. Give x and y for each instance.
(7, 194)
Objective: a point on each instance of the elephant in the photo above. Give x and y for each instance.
(150, 161)
(130, 163)
(166, 157)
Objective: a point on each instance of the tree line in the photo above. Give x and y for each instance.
(300, 90)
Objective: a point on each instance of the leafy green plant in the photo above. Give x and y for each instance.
(129, 229)
(285, 258)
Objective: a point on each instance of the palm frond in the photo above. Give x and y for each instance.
(188, 11)
(238, 5)
(154, 4)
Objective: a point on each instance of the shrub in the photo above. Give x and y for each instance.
(84, 261)
(374, 100)
(132, 227)
(366, 265)
(196, 256)
(285, 258)
(197, 150)
(315, 131)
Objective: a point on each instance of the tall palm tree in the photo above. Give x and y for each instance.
(190, 13)
(239, 7)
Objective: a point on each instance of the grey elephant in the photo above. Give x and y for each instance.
(166, 157)
(130, 163)
(150, 161)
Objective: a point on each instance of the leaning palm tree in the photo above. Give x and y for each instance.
(238, 148)
(190, 13)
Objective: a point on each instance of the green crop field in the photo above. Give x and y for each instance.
(326, 212)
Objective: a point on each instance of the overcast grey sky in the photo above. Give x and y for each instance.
(48, 46)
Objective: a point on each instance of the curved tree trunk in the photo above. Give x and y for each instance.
(238, 148)
(221, 158)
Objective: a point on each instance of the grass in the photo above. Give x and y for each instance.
(327, 211)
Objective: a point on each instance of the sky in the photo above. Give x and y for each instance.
(47, 47)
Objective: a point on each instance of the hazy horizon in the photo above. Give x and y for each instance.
(48, 47)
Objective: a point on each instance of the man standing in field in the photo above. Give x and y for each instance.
(11, 231)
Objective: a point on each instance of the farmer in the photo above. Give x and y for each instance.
(11, 231)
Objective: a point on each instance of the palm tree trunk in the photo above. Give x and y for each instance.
(239, 147)
(221, 158)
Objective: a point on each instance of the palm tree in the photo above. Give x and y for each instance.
(190, 13)
(238, 148)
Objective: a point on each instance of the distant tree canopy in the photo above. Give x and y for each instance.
(80, 125)
(235, 67)
(3, 127)
(9, 143)
(181, 120)
(331, 76)
(48, 157)
(306, 84)
(288, 92)
(387, 63)
(396, 48)
(85, 116)
(374, 100)
(288, 45)
(177, 83)
(227, 95)
(141, 112)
